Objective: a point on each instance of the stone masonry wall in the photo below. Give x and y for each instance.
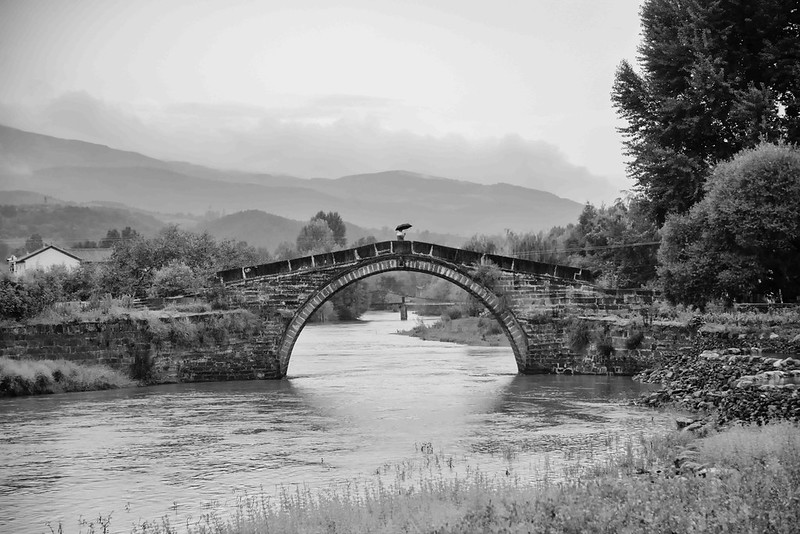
(136, 346)
(539, 303)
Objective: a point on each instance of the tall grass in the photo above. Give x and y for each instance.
(31, 377)
(749, 484)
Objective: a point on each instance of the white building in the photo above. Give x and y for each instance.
(44, 258)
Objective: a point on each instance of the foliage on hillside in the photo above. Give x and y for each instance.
(69, 225)
(257, 228)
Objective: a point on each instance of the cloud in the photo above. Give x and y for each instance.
(327, 136)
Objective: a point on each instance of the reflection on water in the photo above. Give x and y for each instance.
(356, 399)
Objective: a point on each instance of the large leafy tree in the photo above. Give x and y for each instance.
(742, 241)
(716, 77)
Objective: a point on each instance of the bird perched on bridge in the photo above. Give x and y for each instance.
(401, 231)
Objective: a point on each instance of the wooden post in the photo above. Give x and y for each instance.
(403, 309)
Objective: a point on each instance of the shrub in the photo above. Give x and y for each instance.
(634, 340)
(143, 367)
(29, 296)
(174, 279)
(491, 328)
(31, 377)
(578, 334)
(605, 347)
(453, 312)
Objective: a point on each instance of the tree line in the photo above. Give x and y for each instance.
(712, 119)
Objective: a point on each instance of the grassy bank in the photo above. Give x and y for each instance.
(33, 377)
(743, 479)
(478, 331)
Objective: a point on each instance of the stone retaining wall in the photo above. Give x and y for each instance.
(156, 352)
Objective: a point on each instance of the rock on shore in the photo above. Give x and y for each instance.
(732, 383)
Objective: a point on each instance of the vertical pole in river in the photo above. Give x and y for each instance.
(403, 309)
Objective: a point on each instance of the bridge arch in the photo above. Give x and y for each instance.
(429, 265)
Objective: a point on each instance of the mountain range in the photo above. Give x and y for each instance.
(81, 172)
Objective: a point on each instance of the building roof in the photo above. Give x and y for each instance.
(46, 247)
(93, 255)
(84, 255)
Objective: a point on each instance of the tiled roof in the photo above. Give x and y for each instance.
(93, 255)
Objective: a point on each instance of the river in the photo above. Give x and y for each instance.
(357, 399)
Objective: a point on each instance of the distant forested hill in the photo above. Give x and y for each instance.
(258, 228)
(68, 225)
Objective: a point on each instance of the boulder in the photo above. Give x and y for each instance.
(683, 422)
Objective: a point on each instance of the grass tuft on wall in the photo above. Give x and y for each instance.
(32, 377)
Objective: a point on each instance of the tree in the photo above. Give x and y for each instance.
(112, 238)
(489, 276)
(619, 241)
(175, 278)
(717, 77)
(336, 224)
(135, 261)
(351, 302)
(743, 239)
(315, 237)
(545, 247)
(285, 251)
(128, 233)
(361, 241)
(481, 243)
(26, 297)
(34, 242)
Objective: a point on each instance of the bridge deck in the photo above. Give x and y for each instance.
(456, 256)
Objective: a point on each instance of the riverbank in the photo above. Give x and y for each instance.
(729, 384)
(475, 331)
(36, 377)
(735, 480)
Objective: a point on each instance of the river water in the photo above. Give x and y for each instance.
(357, 399)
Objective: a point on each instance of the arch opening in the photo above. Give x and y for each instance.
(494, 304)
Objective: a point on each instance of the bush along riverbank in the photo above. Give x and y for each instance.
(34, 377)
(475, 331)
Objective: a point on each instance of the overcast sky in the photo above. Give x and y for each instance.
(490, 91)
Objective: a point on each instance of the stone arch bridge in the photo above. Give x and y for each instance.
(527, 300)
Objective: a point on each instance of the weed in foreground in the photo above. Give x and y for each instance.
(758, 492)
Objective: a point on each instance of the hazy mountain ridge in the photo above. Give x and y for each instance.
(82, 172)
(261, 229)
